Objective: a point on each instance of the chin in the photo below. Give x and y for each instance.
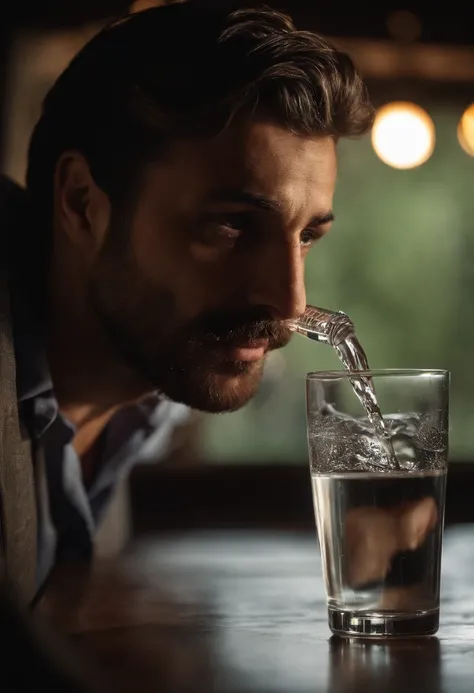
(216, 393)
(233, 394)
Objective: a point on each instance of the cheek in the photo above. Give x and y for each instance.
(197, 279)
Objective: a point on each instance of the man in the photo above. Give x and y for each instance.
(182, 168)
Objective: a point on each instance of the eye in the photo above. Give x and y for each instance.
(225, 230)
(309, 237)
(220, 234)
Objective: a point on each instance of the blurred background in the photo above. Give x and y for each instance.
(400, 259)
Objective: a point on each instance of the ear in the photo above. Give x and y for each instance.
(81, 208)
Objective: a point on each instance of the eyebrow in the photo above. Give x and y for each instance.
(242, 197)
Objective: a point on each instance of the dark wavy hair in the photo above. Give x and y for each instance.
(185, 70)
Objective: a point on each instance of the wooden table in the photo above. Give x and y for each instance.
(244, 612)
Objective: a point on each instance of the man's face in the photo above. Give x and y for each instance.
(193, 293)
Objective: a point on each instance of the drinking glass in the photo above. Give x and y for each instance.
(379, 523)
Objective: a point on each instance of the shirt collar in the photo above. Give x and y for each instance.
(33, 377)
(34, 386)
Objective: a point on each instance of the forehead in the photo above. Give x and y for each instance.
(273, 159)
(256, 156)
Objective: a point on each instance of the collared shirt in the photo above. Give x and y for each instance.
(68, 513)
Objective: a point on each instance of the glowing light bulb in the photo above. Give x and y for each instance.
(403, 135)
(466, 130)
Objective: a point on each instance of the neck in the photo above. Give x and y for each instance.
(90, 380)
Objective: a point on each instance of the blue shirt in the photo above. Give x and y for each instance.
(69, 513)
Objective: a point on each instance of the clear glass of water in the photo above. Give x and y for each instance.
(380, 521)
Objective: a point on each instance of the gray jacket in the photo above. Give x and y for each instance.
(18, 538)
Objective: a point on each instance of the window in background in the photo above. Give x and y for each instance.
(36, 59)
(400, 262)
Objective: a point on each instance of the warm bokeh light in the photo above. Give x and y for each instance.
(404, 26)
(466, 130)
(403, 135)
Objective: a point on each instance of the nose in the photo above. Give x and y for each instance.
(278, 282)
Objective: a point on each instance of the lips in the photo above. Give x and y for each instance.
(253, 350)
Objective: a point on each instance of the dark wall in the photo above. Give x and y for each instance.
(250, 496)
(331, 18)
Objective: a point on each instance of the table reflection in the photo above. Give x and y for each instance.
(382, 666)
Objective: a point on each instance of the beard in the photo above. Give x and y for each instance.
(187, 361)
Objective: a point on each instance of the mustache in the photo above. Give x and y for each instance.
(245, 325)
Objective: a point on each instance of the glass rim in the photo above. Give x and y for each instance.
(344, 374)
